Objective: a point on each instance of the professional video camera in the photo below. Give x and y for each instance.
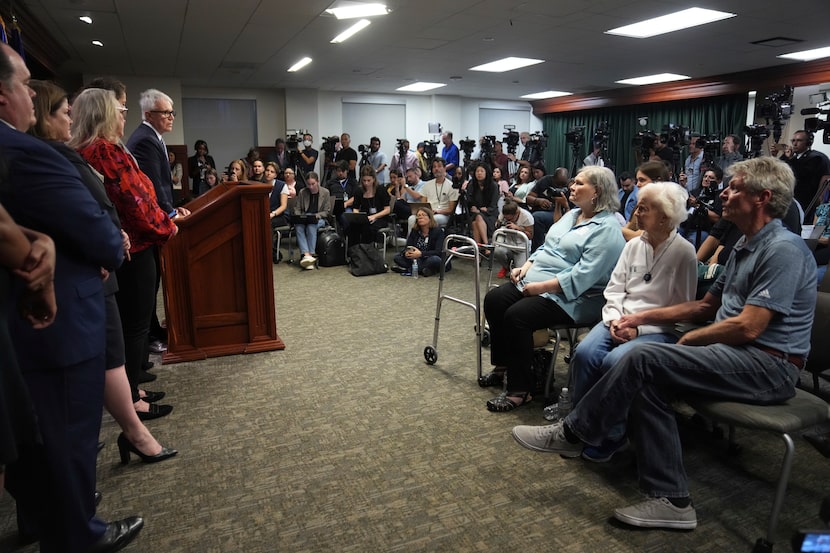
(364, 154)
(757, 134)
(677, 136)
(601, 134)
(711, 147)
(511, 138)
(467, 146)
(430, 153)
(329, 143)
(575, 136)
(292, 140)
(401, 149)
(814, 124)
(643, 143)
(538, 142)
(776, 109)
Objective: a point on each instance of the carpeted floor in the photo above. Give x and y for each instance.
(348, 441)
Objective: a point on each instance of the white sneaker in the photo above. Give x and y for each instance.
(658, 512)
(550, 439)
(307, 262)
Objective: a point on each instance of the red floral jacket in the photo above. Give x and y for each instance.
(132, 193)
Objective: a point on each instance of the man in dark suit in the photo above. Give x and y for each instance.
(147, 145)
(63, 364)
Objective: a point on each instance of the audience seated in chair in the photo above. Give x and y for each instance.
(561, 283)
(655, 270)
(482, 202)
(650, 171)
(440, 194)
(372, 199)
(425, 243)
(315, 201)
(763, 306)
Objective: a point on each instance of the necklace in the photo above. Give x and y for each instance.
(647, 276)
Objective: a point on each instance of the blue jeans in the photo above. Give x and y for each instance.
(542, 221)
(637, 393)
(597, 354)
(433, 263)
(307, 236)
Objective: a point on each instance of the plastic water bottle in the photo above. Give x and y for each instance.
(565, 403)
(551, 412)
(414, 268)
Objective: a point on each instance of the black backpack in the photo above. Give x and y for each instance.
(365, 259)
(331, 250)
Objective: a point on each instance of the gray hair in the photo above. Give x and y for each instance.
(767, 173)
(605, 182)
(149, 99)
(669, 197)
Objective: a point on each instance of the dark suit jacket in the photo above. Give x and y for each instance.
(46, 194)
(153, 161)
(94, 182)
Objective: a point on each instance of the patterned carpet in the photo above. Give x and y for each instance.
(348, 441)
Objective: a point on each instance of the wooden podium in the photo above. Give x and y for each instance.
(218, 277)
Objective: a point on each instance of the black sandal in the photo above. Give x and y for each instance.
(495, 378)
(502, 403)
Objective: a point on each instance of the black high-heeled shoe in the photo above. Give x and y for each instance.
(156, 411)
(125, 448)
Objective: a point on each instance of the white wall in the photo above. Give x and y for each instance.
(796, 122)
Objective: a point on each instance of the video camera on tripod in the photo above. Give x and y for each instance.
(536, 144)
(776, 110)
(364, 154)
(814, 124)
(330, 143)
(292, 146)
(511, 138)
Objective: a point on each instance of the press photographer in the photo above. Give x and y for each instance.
(403, 158)
(308, 155)
(704, 207)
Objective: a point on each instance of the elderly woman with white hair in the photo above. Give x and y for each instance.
(561, 283)
(656, 269)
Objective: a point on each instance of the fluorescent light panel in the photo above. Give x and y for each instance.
(351, 31)
(420, 87)
(546, 94)
(86, 19)
(352, 10)
(653, 79)
(808, 55)
(506, 64)
(669, 23)
(300, 64)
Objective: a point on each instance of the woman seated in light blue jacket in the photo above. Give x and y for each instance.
(561, 283)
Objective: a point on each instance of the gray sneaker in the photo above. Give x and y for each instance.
(658, 512)
(549, 438)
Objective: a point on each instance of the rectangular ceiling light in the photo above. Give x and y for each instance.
(676, 21)
(506, 64)
(808, 55)
(352, 10)
(351, 31)
(300, 64)
(546, 94)
(420, 87)
(653, 79)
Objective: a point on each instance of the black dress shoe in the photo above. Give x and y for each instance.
(117, 535)
(156, 411)
(144, 377)
(98, 497)
(125, 448)
(148, 365)
(152, 397)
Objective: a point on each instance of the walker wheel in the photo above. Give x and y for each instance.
(485, 338)
(430, 355)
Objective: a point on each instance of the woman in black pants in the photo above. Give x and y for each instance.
(97, 129)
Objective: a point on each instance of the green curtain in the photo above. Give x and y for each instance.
(716, 115)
